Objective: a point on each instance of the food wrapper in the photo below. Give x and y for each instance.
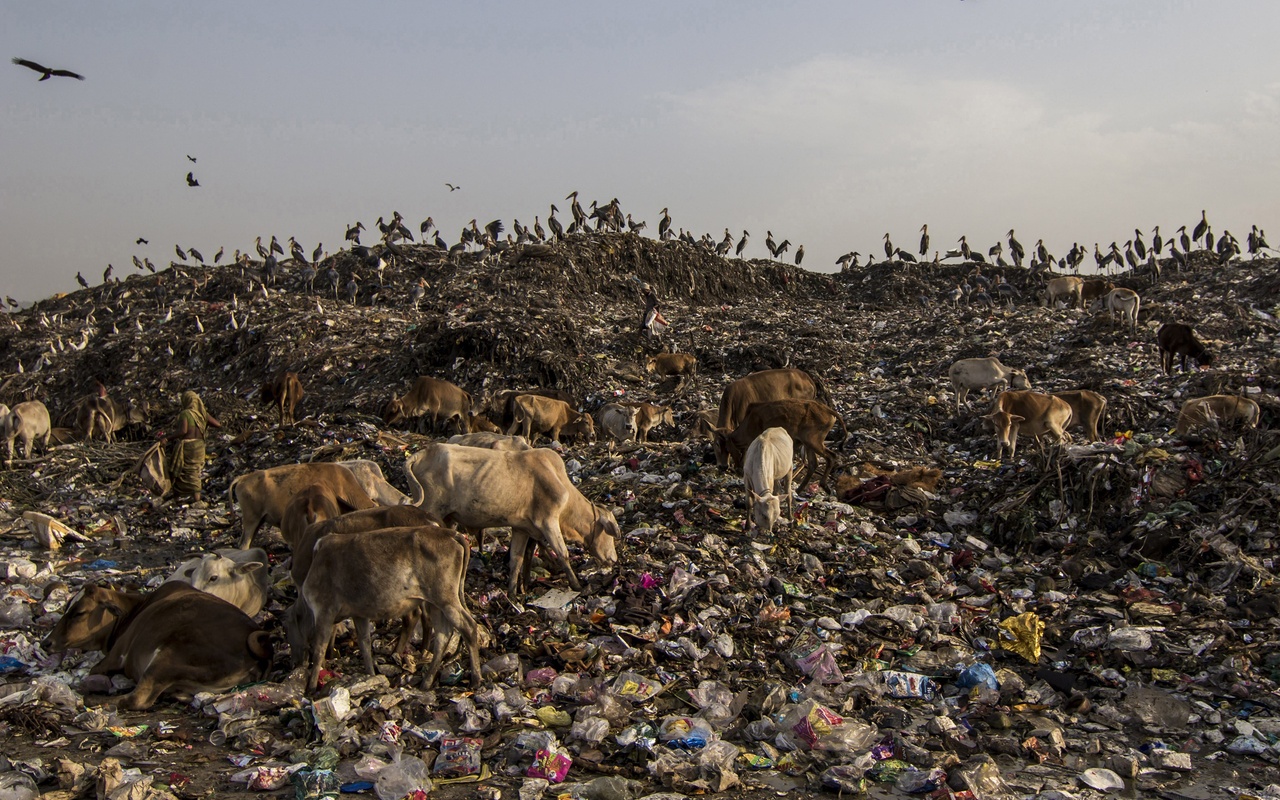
(127, 732)
(909, 684)
(818, 722)
(458, 757)
(1021, 634)
(814, 658)
(635, 688)
(549, 765)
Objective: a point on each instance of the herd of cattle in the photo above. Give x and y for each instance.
(363, 550)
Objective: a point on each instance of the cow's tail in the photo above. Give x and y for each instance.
(820, 390)
(417, 494)
(844, 429)
(231, 492)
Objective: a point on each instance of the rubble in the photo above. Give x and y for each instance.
(1099, 618)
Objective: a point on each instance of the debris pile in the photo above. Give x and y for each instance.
(1095, 617)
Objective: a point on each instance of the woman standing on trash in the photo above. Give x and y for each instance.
(187, 462)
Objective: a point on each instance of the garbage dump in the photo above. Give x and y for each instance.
(1085, 618)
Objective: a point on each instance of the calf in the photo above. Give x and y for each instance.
(374, 483)
(1176, 339)
(1030, 413)
(807, 421)
(491, 441)
(26, 421)
(769, 459)
(430, 398)
(482, 424)
(1069, 288)
(968, 374)
(1087, 410)
(649, 416)
(238, 576)
(1122, 303)
(529, 491)
(313, 504)
(618, 421)
(763, 387)
(1092, 289)
(263, 494)
(536, 414)
(684, 365)
(176, 638)
(1223, 408)
(284, 391)
(384, 575)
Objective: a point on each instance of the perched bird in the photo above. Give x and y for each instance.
(1184, 239)
(453, 188)
(636, 227)
(427, 225)
(965, 250)
(137, 263)
(664, 225)
(742, 244)
(142, 241)
(418, 291)
(1202, 227)
(191, 158)
(106, 273)
(309, 277)
(218, 255)
(1157, 241)
(318, 252)
(182, 254)
(353, 232)
(924, 239)
(782, 248)
(440, 242)
(12, 303)
(769, 244)
(902, 255)
(554, 224)
(150, 267)
(1139, 246)
(538, 232)
(191, 180)
(80, 280)
(848, 260)
(262, 251)
(353, 288)
(1015, 249)
(196, 255)
(47, 73)
(295, 250)
(275, 246)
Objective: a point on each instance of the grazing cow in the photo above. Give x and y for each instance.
(807, 421)
(649, 416)
(482, 424)
(968, 374)
(1222, 408)
(684, 365)
(1069, 288)
(503, 405)
(1094, 288)
(374, 483)
(529, 491)
(26, 421)
(765, 386)
(491, 441)
(369, 519)
(618, 421)
(1122, 303)
(388, 574)
(1030, 413)
(703, 425)
(238, 576)
(535, 414)
(1087, 410)
(263, 494)
(430, 398)
(1177, 339)
(102, 414)
(176, 638)
(769, 459)
(284, 391)
(312, 504)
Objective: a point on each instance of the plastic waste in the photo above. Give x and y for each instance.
(458, 757)
(17, 786)
(402, 777)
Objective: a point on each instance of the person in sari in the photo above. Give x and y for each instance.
(186, 464)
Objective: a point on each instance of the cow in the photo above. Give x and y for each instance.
(369, 519)
(1088, 409)
(374, 483)
(535, 414)
(430, 398)
(1122, 303)
(177, 638)
(682, 365)
(284, 391)
(1177, 339)
(703, 425)
(313, 503)
(769, 459)
(529, 491)
(491, 441)
(649, 416)
(238, 576)
(1222, 408)
(388, 574)
(1030, 413)
(102, 414)
(968, 374)
(503, 405)
(482, 424)
(618, 421)
(26, 421)
(263, 494)
(1069, 288)
(764, 386)
(1092, 289)
(806, 421)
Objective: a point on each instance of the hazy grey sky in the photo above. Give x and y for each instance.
(828, 123)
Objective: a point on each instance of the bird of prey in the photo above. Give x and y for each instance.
(48, 73)
(453, 188)
(192, 159)
(142, 241)
(191, 180)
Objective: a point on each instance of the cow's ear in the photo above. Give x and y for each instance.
(992, 415)
(249, 567)
(1016, 418)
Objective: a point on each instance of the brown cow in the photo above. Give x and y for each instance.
(1087, 410)
(176, 638)
(1092, 289)
(102, 414)
(502, 407)
(1222, 408)
(480, 423)
(762, 387)
(313, 504)
(1030, 413)
(430, 398)
(263, 494)
(536, 414)
(649, 416)
(1177, 339)
(682, 365)
(807, 422)
(285, 391)
(1067, 288)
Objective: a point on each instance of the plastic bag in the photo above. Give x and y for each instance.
(407, 775)
(688, 733)
(458, 758)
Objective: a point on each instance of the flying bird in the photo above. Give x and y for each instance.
(142, 241)
(191, 180)
(453, 188)
(48, 73)
(192, 159)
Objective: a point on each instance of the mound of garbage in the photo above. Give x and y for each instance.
(1095, 617)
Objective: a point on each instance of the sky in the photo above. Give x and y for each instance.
(828, 123)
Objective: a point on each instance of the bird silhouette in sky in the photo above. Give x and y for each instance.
(453, 188)
(142, 241)
(191, 180)
(48, 73)
(192, 159)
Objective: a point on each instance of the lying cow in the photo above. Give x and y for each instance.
(649, 416)
(175, 639)
(1177, 339)
(263, 494)
(1030, 413)
(536, 414)
(238, 576)
(968, 374)
(388, 574)
(1087, 410)
(618, 421)
(27, 422)
(763, 387)
(430, 399)
(1222, 408)
(284, 391)
(528, 491)
(769, 459)
(1122, 304)
(806, 421)
(480, 423)
(491, 441)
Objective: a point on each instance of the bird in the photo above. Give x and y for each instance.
(889, 249)
(295, 250)
(1157, 241)
(199, 325)
(275, 246)
(137, 263)
(262, 251)
(106, 273)
(769, 244)
(418, 291)
(80, 280)
(538, 232)
(1138, 245)
(742, 244)
(453, 188)
(848, 260)
(331, 275)
(1015, 250)
(353, 288)
(309, 277)
(1041, 252)
(664, 225)
(150, 267)
(191, 158)
(1201, 228)
(965, 250)
(191, 180)
(182, 254)
(141, 241)
(353, 233)
(903, 255)
(48, 73)
(427, 224)
(196, 255)
(924, 239)
(1184, 239)
(554, 224)
(318, 252)
(218, 255)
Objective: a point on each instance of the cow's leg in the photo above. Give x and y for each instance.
(143, 695)
(554, 538)
(321, 635)
(408, 624)
(364, 635)
(516, 561)
(250, 526)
